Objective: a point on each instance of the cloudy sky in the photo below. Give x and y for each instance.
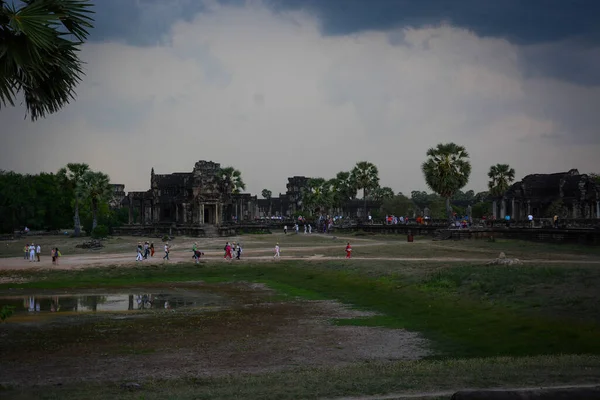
(279, 88)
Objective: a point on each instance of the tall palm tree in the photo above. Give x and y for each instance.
(447, 169)
(344, 189)
(318, 195)
(365, 176)
(71, 177)
(95, 187)
(229, 180)
(39, 41)
(267, 194)
(501, 176)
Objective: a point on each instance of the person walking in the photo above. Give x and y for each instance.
(26, 252)
(57, 254)
(139, 256)
(277, 255)
(167, 251)
(228, 251)
(53, 255)
(146, 250)
(239, 251)
(348, 250)
(151, 249)
(38, 252)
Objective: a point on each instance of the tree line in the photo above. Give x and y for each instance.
(75, 196)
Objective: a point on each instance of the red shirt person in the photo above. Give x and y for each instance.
(348, 250)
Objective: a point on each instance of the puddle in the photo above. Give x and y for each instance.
(130, 300)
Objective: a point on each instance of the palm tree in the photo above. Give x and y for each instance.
(344, 189)
(229, 180)
(447, 169)
(267, 194)
(39, 41)
(71, 177)
(95, 187)
(318, 195)
(365, 176)
(501, 176)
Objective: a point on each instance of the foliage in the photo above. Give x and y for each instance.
(36, 201)
(95, 188)
(365, 176)
(318, 196)
(100, 232)
(446, 170)
(501, 176)
(6, 312)
(344, 189)
(398, 205)
(71, 177)
(39, 42)
(267, 194)
(556, 208)
(229, 180)
(382, 193)
(482, 208)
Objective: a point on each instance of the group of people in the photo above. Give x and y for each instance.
(232, 249)
(145, 250)
(33, 252)
(307, 229)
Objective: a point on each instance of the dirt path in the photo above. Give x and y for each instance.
(82, 261)
(400, 396)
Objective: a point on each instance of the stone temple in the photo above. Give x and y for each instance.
(570, 194)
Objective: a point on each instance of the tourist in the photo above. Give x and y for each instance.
(57, 254)
(555, 219)
(228, 252)
(146, 250)
(151, 249)
(239, 251)
(276, 251)
(285, 229)
(530, 218)
(139, 256)
(305, 229)
(31, 252)
(26, 252)
(38, 251)
(296, 227)
(195, 252)
(167, 250)
(53, 255)
(348, 250)
(309, 229)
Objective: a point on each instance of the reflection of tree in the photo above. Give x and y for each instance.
(92, 301)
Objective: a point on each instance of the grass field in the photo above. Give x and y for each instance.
(478, 326)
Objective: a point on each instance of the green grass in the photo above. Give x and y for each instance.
(445, 305)
(362, 379)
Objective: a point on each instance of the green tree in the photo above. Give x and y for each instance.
(318, 195)
(229, 181)
(94, 187)
(382, 193)
(39, 44)
(447, 170)
(343, 189)
(365, 176)
(397, 205)
(267, 194)
(71, 178)
(501, 176)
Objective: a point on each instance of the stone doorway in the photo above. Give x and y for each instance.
(209, 214)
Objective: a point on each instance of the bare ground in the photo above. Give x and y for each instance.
(253, 336)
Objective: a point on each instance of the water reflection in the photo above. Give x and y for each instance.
(110, 302)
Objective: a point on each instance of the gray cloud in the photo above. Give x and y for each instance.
(269, 94)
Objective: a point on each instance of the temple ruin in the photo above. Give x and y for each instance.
(570, 195)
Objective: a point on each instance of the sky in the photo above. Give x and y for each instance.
(278, 88)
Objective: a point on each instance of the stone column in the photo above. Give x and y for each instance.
(185, 208)
(142, 212)
(201, 216)
(176, 213)
(503, 209)
(513, 210)
(528, 207)
(151, 211)
(130, 211)
(598, 209)
(575, 211)
(494, 209)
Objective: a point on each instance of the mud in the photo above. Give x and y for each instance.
(252, 334)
